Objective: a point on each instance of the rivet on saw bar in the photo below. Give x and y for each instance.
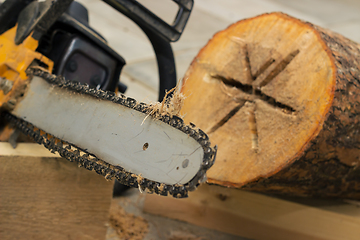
(11, 103)
(6, 85)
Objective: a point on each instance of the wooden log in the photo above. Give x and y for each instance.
(280, 97)
(43, 196)
(256, 216)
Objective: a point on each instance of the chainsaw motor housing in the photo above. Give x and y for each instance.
(65, 22)
(80, 53)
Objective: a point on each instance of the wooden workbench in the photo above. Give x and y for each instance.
(258, 216)
(43, 196)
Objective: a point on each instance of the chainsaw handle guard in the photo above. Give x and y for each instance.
(10, 10)
(141, 15)
(39, 17)
(165, 61)
(160, 35)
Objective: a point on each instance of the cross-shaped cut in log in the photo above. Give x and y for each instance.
(253, 91)
(280, 97)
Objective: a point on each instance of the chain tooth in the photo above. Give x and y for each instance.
(97, 169)
(101, 94)
(183, 193)
(130, 102)
(111, 96)
(71, 156)
(46, 142)
(142, 184)
(27, 131)
(141, 107)
(203, 138)
(38, 138)
(208, 153)
(191, 186)
(103, 170)
(115, 99)
(201, 175)
(84, 89)
(131, 180)
(78, 87)
(62, 152)
(22, 127)
(150, 185)
(110, 174)
(92, 91)
(59, 145)
(166, 119)
(178, 191)
(185, 129)
(164, 192)
(87, 165)
(81, 163)
(120, 176)
(121, 101)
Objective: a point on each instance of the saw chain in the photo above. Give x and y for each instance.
(89, 161)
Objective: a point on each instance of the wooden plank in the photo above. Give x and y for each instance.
(256, 216)
(26, 150)
(47, 197)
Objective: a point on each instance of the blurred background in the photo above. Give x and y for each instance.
(208, 17)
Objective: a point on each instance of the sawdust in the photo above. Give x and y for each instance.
(169, 105)
(161, 187)
(127, 225)
(179, 235)
(139, 179)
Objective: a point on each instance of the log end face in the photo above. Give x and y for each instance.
(261, 89)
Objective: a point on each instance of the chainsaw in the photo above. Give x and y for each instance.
(59, 85)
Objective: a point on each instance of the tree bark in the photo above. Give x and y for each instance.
(280, 97)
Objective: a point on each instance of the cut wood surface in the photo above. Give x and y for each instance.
(256, 216)
(43, 196)
(280, 98)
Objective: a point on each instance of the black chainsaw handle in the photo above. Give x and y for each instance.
(140, 14)
(160, 35)
(165, 61)
(9, 12)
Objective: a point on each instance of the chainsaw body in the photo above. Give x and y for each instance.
(58, 83)
(75, 47)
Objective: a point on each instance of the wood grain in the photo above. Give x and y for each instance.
(257, 216)
(43, 196)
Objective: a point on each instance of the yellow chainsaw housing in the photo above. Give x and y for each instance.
(14, 60)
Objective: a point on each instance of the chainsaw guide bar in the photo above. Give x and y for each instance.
(91, 161)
